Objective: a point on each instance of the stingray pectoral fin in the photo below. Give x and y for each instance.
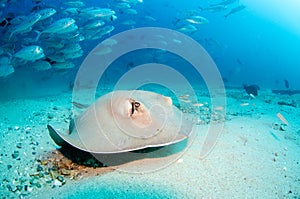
(56, 136)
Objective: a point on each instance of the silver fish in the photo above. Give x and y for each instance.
(225, 3)
(128, 22)
(188, 29)
(57, 26)
(71, 28)
(41, 65)
(30, 53)
(131, 1)
(214, 8)
(73, 55)
(46, 13)
(235, 10)
(63, 65)
(94, 12)
(122, 5)
(130, 11)
(197, 20)
(27, 23)
(107, 30)
(6, 70)
(74, 3)
(92, 24)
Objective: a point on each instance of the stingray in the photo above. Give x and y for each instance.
(123, 121)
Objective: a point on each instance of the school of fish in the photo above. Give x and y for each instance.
(51, 37)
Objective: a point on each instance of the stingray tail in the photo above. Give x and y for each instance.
(55, 136)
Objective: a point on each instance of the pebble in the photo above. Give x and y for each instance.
(65, 172)
(282, 127)
(61, 179)
(15, 154)
(50, 116)
(57, 183)
(17, 128)
(39, 168)
(19, 145)
(28, 188)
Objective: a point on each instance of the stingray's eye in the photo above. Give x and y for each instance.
(137, 104)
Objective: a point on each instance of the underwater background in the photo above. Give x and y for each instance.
(255, 46)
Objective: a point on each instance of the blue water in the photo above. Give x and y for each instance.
(246, 47)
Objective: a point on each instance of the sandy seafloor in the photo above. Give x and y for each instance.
(253, 157)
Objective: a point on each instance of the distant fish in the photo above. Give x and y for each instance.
(30, 53)
(63, 65)
(286, 84)
(188, 29)
(196, 20)
(131, 1)
(77, 4)
(214, 8)
(57, 26)
(96, 12)
(79, 105)
(239, 62)
(251, 90)
(6, 70)
(235, 10)
(41, 65)
(46, 13)
(130, 11)
(224, 3)
(5, 67)
(128, 22)
(26, 24)
(149, 18)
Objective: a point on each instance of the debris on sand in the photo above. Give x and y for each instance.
(282, 118)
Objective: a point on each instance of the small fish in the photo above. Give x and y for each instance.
(224, 3)
(24, 25)
(128, 22)
(73, 55)
(46, 13)
(130, 11)
(92, 24)
(30, 53)
(71, 11)
(107, 30)
(95, 12)
(286, 84)
(109, 42)
(103, 50)
(149, 18)
(6, 70)
(131, 1)
(57, 26)
(79, 105)
(73, 27)
(122, 5)
(251, 90)
(41, 65)
(214, 8)
(197, 20)
(235, 10)
(188, 29)
(63, 65)
(74, 4)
